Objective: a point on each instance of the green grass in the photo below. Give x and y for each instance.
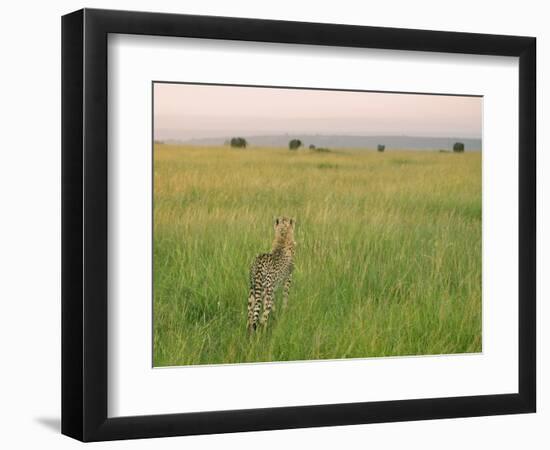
(388, 258)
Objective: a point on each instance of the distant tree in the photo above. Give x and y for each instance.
(458, 147)
(381, 147)
(295, 144)
(238, 142)
(311, 147)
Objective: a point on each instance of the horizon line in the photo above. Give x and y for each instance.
(298, 135)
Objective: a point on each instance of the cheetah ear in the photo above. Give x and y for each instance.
(292, 222)
(276, 220)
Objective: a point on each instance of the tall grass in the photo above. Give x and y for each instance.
(388, 258)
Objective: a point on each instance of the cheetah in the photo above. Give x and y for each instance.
(269, 271)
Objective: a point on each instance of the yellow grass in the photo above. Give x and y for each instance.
(388, 259)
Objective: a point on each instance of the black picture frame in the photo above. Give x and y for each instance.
(84, 224)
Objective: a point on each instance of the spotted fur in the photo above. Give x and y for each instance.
(269, 272)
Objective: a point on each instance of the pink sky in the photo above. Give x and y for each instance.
(184, 111)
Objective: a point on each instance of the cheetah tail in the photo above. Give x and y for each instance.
(251, 304)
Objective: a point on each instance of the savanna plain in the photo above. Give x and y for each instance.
(387, 262)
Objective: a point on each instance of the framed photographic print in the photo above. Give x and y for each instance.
(273, 224)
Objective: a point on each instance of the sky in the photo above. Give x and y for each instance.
(187, 111)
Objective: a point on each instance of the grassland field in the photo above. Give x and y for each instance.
(388, 257)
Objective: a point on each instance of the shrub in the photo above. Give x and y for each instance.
(238, 142)
(458, 147)
(381, 147)
(311, 147)
(327, 166)
(295, 144)
(321, 149)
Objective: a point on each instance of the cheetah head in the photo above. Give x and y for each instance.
(284, 228)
